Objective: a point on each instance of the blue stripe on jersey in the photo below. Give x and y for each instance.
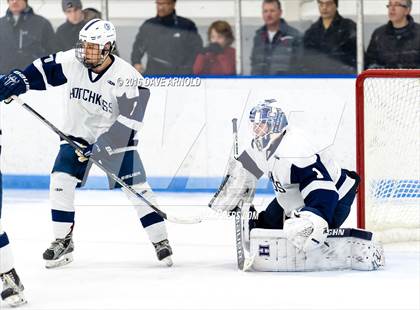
(62, 216)
(341, 179)
(35, 79)
(323, 203)
(304, 176)
(53, 71)
(134, 108)
(4, 240)
(150, 219)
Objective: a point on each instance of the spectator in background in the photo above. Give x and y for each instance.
(171, 42)
(330, 43)
(91, 13)
(277, 45)
(218, 58)
(68, 33)
(24, 36)
(396, 44)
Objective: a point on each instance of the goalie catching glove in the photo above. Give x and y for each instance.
(239, 187)
(306, 230)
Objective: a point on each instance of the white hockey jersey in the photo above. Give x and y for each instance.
(301, 178)
(92, 102)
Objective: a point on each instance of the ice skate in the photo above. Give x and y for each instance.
(164, 252)
(12, 292)
(59, 253)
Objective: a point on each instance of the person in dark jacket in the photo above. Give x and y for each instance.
(218, 58)
(396, 44)
(24, 36)
(171, 42)
(67, 34)
(330, 43)
(91, 13)
(277, 46)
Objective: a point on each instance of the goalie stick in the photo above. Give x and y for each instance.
(244, 263)
(239, 239)
(237, 211)
(112, 175)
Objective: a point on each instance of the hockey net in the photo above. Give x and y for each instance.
(388, 153)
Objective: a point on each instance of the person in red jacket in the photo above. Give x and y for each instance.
(218, 58)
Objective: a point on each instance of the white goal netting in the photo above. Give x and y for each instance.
(392, 157)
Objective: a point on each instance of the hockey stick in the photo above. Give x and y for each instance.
(112, 175)
(237, 211)
(240, 254)
(244, 263)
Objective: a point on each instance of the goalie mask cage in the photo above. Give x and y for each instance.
(388, 153)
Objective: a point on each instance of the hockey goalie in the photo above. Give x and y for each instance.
(300, 228)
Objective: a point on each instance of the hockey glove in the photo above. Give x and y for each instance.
(306, 230)
(87, 152)
(94, 149)
(240, 186)
(213, 48)
(13, 84)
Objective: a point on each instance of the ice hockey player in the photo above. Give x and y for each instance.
(313, 194)
(12, 292)
(104, 107)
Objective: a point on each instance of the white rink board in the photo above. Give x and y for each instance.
(187, 131)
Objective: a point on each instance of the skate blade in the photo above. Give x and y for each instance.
(15, 300)
(168, 261)
(64, 260)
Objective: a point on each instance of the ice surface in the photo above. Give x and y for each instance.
(115, 265)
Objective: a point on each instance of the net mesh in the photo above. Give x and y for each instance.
(392, 157)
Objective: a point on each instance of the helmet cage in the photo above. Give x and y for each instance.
(81, 53)
(273, 117)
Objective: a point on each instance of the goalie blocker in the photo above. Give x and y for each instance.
(344, 248)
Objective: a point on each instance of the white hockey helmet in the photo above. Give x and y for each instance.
(96, 31)
(267, 121)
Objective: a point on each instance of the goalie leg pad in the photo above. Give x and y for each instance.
(344, 248)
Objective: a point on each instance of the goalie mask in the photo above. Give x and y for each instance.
(96, 41)
(267, 120)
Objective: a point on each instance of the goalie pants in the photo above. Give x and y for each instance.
(68, 173)
(273, 217)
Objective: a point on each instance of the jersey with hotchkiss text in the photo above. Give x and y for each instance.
(92, 102)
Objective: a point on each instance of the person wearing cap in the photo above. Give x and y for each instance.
(68, 33)
(330, 42)
(396, 44)
(24, 36)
